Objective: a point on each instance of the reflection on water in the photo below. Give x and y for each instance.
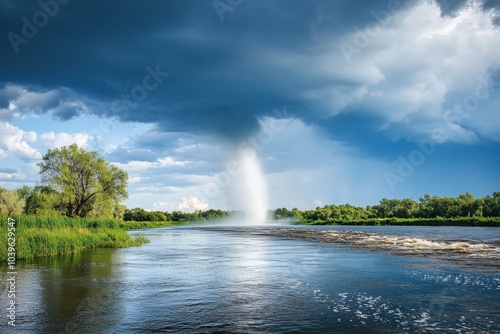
(61, 294)
(250, 280)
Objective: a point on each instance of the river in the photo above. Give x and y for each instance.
(255, 279)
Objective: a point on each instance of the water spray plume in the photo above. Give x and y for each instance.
(250, 189)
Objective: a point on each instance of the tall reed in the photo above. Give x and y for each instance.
(39, 236)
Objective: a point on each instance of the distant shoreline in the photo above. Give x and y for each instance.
(459, 221)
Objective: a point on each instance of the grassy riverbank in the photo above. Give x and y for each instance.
(133, 225)
(459, 221)
(39, 236)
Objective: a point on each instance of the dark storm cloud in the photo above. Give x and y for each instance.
(65, 113)
(452, 7)
(222, 75)
(4, 102)
(220, 79)
(488, 4)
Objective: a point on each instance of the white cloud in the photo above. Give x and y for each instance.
(11, 176)
(409, 73)
(57, 140)
(14, 140)
(29, 136)
(170, 161)
(428, 62)
(186, 204)
(192, 203)
(63, 103)
(454, 133)
(136, 179)
(136, 166)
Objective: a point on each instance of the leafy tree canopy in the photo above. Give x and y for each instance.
(83, 179)
(11, 202)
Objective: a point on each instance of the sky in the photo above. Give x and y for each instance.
(339, 101)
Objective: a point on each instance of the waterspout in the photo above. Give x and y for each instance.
(250, 189)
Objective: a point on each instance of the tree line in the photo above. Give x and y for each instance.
(465, 205)
(139, 214)
(44, 201)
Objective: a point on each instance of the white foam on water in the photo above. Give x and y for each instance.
(396, 243)
(365, 310)
(488, 283)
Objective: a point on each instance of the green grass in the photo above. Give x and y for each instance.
(459, 221)
(38, 236)
(60, 222)
(133, 225)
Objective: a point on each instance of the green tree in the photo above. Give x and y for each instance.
(24, 192)
(179, 216)
(467, 204)
(136, 214)
(405, 208)
(157, 216)
(100, 207)
(11, 202)
(297, 215)
(43, 201)
(282, 213)
(385, 208)
(119, 211)
(82, 178)
(323, 213)
(492, 205)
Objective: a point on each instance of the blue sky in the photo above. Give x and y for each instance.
(342, 101)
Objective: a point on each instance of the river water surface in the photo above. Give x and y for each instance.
(269, 280)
